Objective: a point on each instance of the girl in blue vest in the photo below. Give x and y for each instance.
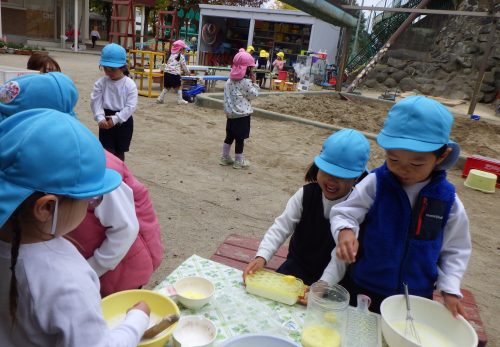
(49, 293)
(331, 178)
(410, 225)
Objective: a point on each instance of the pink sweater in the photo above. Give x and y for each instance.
(146, 252)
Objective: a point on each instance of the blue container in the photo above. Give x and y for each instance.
(475, 117)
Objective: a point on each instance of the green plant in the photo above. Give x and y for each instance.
(14, 45)
(2, 43)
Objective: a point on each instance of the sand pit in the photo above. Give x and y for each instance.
(175, 151)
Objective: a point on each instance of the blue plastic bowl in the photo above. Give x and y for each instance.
(253, 340)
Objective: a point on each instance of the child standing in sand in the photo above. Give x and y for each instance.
(113, 101)
(404, 222)
(341, 163)
(174, 68)
(238, 91)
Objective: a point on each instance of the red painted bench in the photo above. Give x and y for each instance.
(237, 251)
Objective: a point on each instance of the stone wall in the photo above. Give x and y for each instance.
(449, 67)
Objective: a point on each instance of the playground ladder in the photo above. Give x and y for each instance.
(163, 25)
(122, 27)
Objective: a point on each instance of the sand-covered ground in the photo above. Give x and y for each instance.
(175, 152)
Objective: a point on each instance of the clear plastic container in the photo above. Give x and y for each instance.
(324, 325)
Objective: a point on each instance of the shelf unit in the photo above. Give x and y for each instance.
(240, 31)
(287, 37)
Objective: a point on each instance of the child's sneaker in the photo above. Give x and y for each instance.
(226, 160)
(241, 164)
(181, 102)
(159, 100)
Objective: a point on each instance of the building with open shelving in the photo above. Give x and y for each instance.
(223, 30)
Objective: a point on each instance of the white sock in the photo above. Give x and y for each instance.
(163, 93)
(179, 94)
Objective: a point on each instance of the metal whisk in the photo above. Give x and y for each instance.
(410, 330)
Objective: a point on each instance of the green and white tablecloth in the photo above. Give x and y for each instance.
(235, 312)
(232, 310)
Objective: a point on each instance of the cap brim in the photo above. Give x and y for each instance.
(335, 170)
(110, 64)
(12, 196)
(389, 142)
(110, 182)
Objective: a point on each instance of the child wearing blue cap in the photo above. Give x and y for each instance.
(410, 225)
(341, 163)
(50, 293)
(114, 100)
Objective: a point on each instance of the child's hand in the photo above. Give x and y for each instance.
(452, 303)
(141, 305)
(103, 124)
(254, 266)
(347, 246)
(110, 123)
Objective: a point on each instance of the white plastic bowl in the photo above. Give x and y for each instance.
(194, 292)
(256, 340)
(194, 331)
(433, 322)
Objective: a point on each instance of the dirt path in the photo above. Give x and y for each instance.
(175, 153)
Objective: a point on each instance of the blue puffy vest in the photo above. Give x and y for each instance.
(398, 244)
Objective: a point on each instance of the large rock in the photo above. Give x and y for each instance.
(407, 84)
(426, 88)
(398, 64)
(488, 97)
(390, 83)
(371, 83)
(381, 77)
(398, 75)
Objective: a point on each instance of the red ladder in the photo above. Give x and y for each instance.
(162, 26)
(119, 32)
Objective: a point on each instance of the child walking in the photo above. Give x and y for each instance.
(341, 163)
(113, 101)
(50, 295)
(174, 68)
(238, 91)
(94, 35)
(120, 238)
(411, 226)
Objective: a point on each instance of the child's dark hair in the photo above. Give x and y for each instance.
(22, 213)
(40, 61)
(440, 151)
(125, 71)
(312, 174)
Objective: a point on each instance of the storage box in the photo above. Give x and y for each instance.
(484, 164)
(9, 72)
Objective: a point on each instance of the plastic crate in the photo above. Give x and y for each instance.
(484, 164)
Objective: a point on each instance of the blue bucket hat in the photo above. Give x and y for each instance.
(31, 162)
(344, 154)
(419, 124)
(52, 90)
(113, 55)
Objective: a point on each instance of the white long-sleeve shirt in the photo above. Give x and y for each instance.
(120, 95)
(284, 226)
(456, 248)
(59, 301)
(117, 213)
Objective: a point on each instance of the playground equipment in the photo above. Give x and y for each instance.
(147, 67)
(166, 29)
(122, 29)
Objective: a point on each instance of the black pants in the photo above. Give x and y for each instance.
(117, 139)
(94, 39)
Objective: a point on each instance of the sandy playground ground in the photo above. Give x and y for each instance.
(175, 151)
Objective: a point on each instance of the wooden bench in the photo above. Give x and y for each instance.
(237, 251)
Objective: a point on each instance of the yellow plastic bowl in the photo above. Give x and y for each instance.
(481, 180)
(115, 306)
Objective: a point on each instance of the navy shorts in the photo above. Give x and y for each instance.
(117, 139)
(171, 80)
(238, 128)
